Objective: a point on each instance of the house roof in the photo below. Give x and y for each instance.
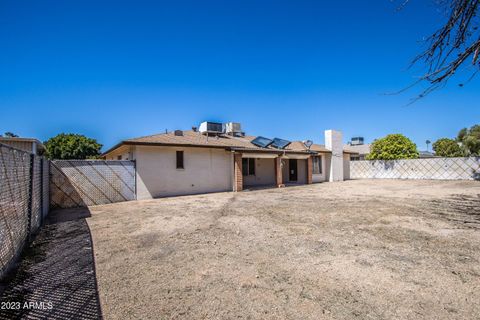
(196, 139)
(361, 149)
(426, 154)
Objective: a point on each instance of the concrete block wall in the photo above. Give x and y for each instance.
(427, 169)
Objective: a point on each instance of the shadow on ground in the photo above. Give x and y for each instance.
(56, 275)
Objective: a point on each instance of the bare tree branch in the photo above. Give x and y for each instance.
(451, 46)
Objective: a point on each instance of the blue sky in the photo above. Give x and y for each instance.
(120, 69)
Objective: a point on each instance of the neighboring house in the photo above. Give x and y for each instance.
(26, 144)
(359, 152)
(360, 149)
(426, 154)
(220, 157)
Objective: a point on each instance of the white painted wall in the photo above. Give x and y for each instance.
(424, 168)
(333, 142)
(322, 176)
(264, 173)
(206, 170)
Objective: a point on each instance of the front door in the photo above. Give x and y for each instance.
(292, 165)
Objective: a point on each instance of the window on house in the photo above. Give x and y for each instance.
(317, 165)
(248, 166)
(180, 160)
(119, 157)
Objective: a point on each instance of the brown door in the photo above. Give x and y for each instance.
(292, 166)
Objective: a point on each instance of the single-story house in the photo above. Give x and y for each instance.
(360, 149)
(219, 157)
(427, 154)
(25, 144)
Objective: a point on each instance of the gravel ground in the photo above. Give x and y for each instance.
(366, 249)
(55, 278)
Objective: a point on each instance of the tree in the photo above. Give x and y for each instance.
(10, 134)
(470, 140)
(455, 43)
(446, 147)
(72, 146)
(393, 146)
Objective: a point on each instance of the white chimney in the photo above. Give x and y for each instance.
(333, 142)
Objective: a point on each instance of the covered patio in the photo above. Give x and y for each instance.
(271, 169)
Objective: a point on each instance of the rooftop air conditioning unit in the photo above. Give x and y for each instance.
(233, 129)
(356, 141)
(210, 128)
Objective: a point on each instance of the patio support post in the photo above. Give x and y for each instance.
(278, 172)
(238, 177)
(309, 170)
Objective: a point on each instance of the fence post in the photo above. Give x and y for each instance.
(30, 197)
(41, 191)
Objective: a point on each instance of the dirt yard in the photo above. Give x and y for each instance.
(369, 249)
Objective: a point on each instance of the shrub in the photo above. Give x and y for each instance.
(391, 147)
(72, 146)
(447, 148)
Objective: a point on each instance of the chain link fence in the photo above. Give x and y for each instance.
(30, 185)
(429, 168)
(24, 193)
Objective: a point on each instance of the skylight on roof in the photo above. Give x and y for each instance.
(280, 143)
(262, 142)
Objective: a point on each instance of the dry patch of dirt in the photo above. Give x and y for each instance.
(367, 249)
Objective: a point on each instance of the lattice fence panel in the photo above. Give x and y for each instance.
(429, 168)
(77, 183)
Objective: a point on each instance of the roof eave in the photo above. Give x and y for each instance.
(118, 145)
(238, 149)
(277, 151)
(159, 144)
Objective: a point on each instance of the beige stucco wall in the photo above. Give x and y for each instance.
(322, 176)
(264, 173)
(28, 146)
(328, 161)
(206, 170)
(301, 171)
